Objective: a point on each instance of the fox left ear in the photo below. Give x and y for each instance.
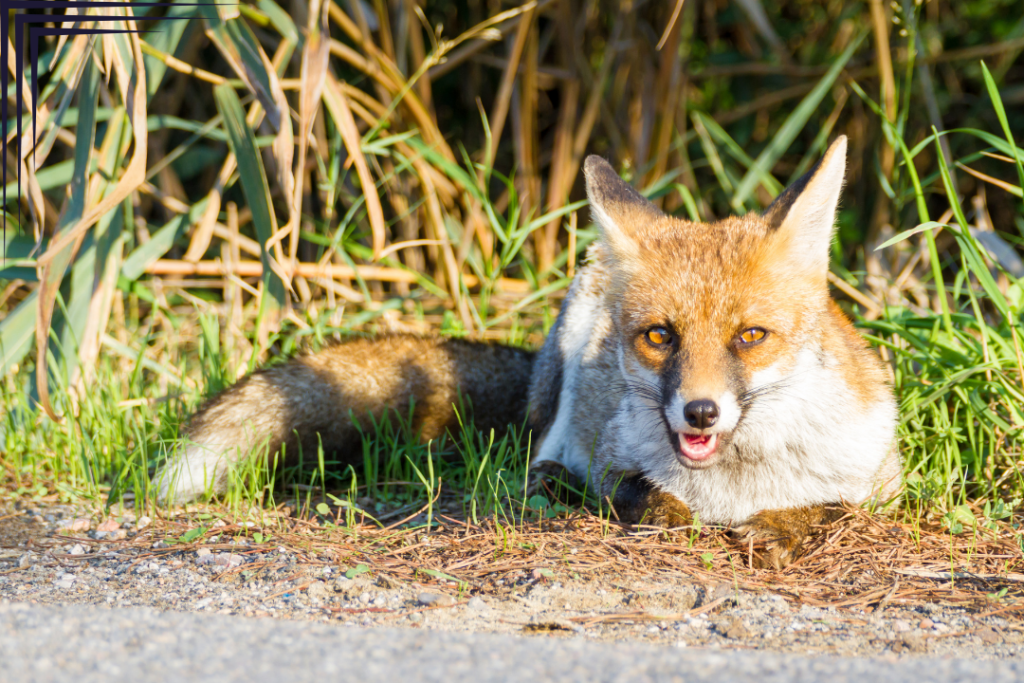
(619, 210)
(804, 215)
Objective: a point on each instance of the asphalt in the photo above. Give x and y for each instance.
(81, 644)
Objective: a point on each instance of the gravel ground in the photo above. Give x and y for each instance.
(41, 644)
(48, 556)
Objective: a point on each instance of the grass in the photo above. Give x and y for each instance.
(415, 206)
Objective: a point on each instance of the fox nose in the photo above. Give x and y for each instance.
(701, 414)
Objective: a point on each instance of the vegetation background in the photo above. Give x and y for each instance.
(240, 181)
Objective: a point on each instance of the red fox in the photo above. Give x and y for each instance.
(694, 369)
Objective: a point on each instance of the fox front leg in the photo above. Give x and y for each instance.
(637, 501)
(781, 534)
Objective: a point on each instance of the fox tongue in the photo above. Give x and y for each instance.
(697, 447)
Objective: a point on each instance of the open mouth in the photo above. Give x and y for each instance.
(698, 447)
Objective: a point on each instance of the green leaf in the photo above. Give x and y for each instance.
(538, 502)
(927, 225)
(253, 177)
(356, 571)
(706, 558)
(281, 20)
(192, 534)
(17, 331)
(323, 509)
(792, 126)
(997, 103)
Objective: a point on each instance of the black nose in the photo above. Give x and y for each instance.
(701, 414)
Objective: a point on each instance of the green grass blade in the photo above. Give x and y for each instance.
(997, 103)
(792, 126)
(253, 177)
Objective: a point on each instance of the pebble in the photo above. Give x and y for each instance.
(415, 617)
(733, 628)
(901, 626)
(365, 598)
(477, 603)
(926, 623)
(108, 525)
(317, 591)
(990, 636)
(143, 522)
(434, 599)
(115, 535)
(74, 524)
(77, 549)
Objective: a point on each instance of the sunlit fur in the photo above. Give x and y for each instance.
(311, 401)
(806, 414)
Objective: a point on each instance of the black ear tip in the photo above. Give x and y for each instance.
(595, 164)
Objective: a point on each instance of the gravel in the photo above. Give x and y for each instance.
(233, 577)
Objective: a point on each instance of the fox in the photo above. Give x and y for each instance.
(696, 370)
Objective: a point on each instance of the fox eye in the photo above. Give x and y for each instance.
(753, 335)
(658, 336)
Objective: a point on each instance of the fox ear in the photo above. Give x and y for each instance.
(619, 210)
(804, 216)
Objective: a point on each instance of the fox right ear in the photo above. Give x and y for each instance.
(619, 210)
(804, 216)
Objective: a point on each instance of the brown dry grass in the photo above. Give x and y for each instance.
(861, 563)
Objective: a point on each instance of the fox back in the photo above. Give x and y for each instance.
(710, 360)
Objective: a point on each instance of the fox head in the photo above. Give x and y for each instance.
(709, 314)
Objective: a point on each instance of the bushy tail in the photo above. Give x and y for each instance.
(291, 404)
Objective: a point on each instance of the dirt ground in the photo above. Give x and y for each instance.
(867, 587)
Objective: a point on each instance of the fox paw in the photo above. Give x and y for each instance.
(665, 510)
(778, 539)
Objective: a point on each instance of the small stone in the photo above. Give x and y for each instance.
(901, 626)
(229, 560)
(317, 591)
(365, 598)
(202, 552)
(109, 525)
(990, 636)
(77, 549)
(477, 604)
(415, 617)
(910, 643)
(380, 601)
(732, 628)
(434, 599)
(74, 524)
(926, 624)
(386, 582)
(143, 522)
(26, 559)
(206, 559)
